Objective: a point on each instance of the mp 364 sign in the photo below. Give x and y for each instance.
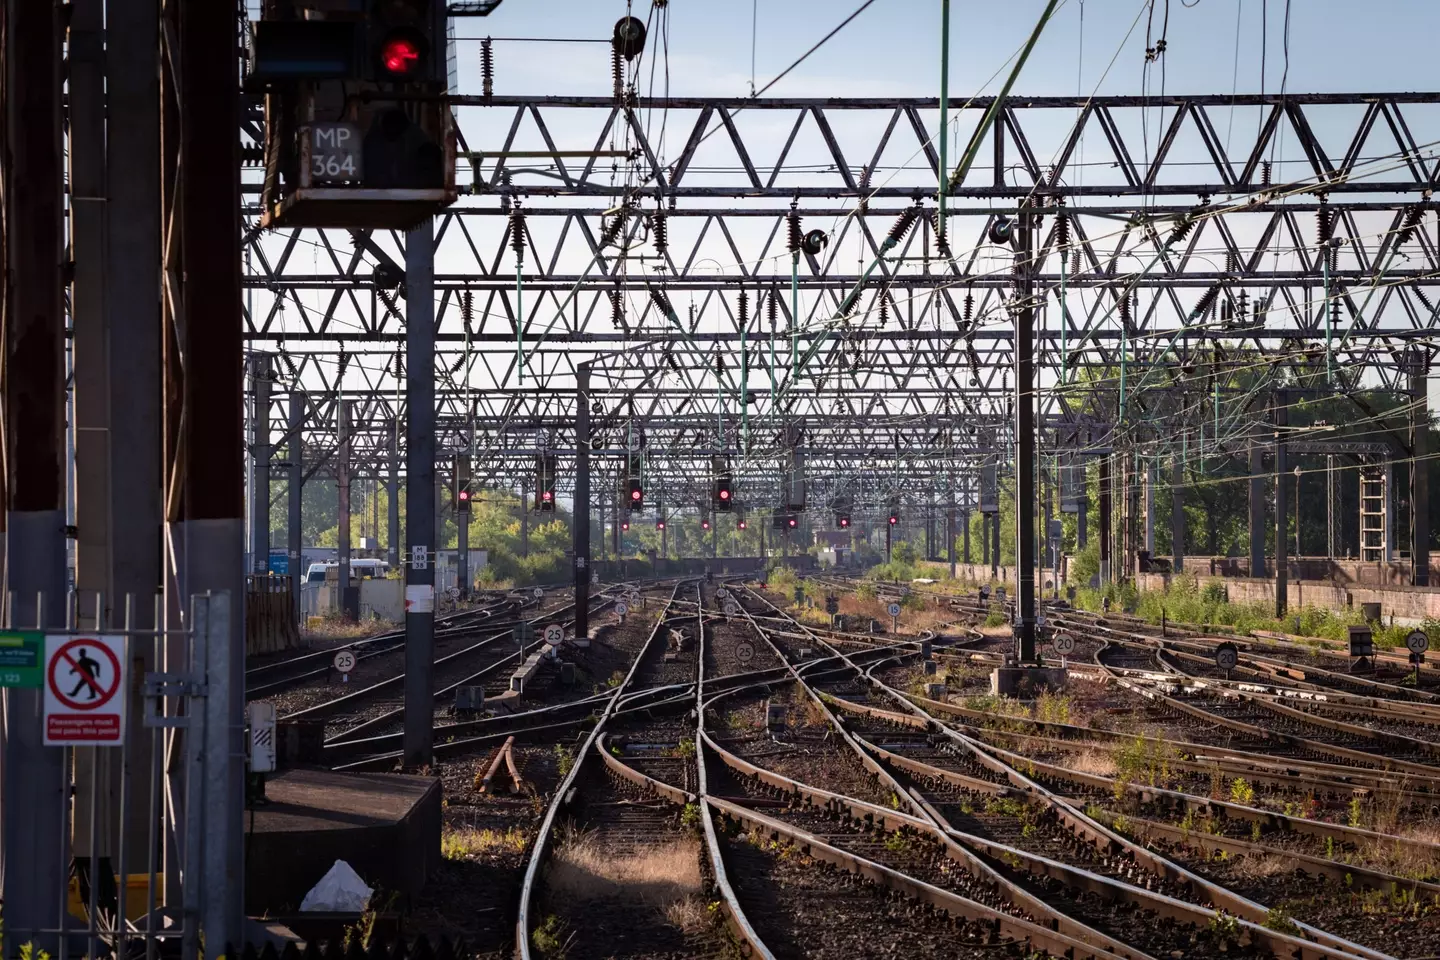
(84, 691)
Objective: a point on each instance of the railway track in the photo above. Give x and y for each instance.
(811, 791)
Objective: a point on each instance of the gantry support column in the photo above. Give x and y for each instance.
(294, 530)
(580, 517)
(1025, 442)
(1150, 490)
(1419, 368)
(420, 512)
(132, 259)
(1177, 513)
(1104, 532)
(35, 777)
(1257, 509)
(342, 489)
(261, 377)
(206, 361)
(1282, 566)
(966, 525)
(392, 494)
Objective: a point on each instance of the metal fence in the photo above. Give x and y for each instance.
(115, 813)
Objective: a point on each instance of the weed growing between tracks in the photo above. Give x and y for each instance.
(464, 843)
(663, 875)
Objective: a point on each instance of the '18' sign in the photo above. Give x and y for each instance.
(335, 153)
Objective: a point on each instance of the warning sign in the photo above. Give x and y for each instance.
(84, 691)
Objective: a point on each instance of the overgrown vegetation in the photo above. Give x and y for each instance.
(1187, 600)
(465, 843)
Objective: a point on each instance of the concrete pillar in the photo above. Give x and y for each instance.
(35, 777)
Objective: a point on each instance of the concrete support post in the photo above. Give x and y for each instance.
(1177, 513)
(420, 512)
(966, 525)
(580, 524)
(1282, 571)
(1082, 517)
(295, 494)
(261, 377)
(1419, 369)
(35, 777)
(1105, 520)
(342, 489)
(1257, 509)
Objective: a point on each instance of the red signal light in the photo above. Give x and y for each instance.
(844, 522)
(547, 496)
(659, 524)
(793, 522)
(400, 55)
(635, 494)
(724, 494)
(464, 494)
(894, 520)
(704, 524)
(741, 524)
(625, 526)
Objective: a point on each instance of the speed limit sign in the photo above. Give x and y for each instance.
(732, 609)
(554, 634)
(622, 608)
(344, 662)
(539, 593)
(723, 594)
(1063, 643)
(1418, 641)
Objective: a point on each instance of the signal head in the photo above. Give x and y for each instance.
(659, 524)
(403, 54)
(740, 524)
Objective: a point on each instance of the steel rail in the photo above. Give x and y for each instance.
(1321, 942)
(541, 847)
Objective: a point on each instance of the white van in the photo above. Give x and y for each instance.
(360, 569)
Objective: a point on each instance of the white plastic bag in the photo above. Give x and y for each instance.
(340, 891)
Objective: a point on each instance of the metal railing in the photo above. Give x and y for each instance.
(139, 863)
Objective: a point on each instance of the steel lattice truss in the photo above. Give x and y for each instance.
(1170, 226)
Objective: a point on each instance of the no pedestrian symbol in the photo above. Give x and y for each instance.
(84, 691)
